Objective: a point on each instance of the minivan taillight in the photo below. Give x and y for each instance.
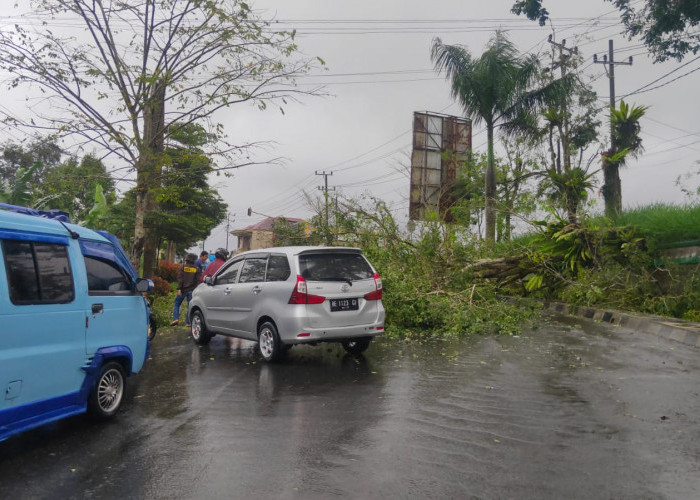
(300, 294)
(377, 293)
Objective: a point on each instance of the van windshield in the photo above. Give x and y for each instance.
(334, 267)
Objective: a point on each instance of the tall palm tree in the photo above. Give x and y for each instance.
(496, 89)
(626, 141)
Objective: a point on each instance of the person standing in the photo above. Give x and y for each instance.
(187, 280)
(220, 255)
(203, 261)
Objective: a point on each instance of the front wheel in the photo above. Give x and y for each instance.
(269, 342)
(198, 329)
(152, 327)
(357, 346)
(107, 394)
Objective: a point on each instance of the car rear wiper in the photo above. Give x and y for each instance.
(337, 278)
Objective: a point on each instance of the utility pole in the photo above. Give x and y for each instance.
(228, 226)
(609, 62)
(565, 54)
(325, 188)
(612, 188)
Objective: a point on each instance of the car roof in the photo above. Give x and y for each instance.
(296, 250)
(34, 224)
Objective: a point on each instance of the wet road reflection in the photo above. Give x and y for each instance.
(565, 411)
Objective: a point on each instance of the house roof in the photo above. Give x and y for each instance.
(266, 224)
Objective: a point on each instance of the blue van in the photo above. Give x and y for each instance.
(73, 321)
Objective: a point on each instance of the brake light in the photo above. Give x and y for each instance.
(377, 293)
(300, 294)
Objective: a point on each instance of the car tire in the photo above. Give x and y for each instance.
(198, 329)
(152, 327)
(269, 343)
(108, 392)
(356, 346)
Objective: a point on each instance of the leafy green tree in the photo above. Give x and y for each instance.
(567, 127)
(513, 192)
(71, 186)
(516, 197)
(626, 141)
(497, 89)
(186, 208)
(41, 154)
(665, 26)
(20, 191)
(125, 75)
(467, 191)
(288, 233)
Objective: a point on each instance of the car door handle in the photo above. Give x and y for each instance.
(97, 309)
(257, 290)
(227, 290)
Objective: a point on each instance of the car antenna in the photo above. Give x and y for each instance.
(72, 233)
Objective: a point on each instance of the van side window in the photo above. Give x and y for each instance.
(277, 268)
(38, 273)
(105, 277)
(253, 270)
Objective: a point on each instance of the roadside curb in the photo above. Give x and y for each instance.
(668, 328)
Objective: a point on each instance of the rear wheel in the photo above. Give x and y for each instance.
(356, 346)
(198, 329)
(269, 342)
(107, 394)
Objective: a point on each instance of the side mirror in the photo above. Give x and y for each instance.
(209, 280)
(144, 285)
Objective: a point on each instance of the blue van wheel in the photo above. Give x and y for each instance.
(107, 394)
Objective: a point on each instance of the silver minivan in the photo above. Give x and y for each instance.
(284, 296)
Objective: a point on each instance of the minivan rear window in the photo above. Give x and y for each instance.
(38, 273)
(278, 268)
(334, 267)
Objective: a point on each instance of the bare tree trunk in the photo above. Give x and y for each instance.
(171, 252)
(148, 179)
(140, 213)
(490, 191)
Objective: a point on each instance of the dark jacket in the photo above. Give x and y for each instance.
(188, 276)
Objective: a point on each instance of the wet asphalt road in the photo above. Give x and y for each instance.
(570, 410)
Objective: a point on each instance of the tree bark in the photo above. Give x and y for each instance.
(148, 179)
(490, 191)
(171, 252)
(612, 189)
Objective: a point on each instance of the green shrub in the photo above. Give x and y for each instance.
(162, 308)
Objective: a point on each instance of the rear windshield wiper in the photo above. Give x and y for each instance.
(336, 278)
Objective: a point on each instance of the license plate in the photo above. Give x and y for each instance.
(344, 305)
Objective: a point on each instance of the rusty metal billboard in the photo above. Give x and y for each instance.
(440, 143)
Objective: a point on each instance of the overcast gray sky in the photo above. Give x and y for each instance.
(379, 72)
